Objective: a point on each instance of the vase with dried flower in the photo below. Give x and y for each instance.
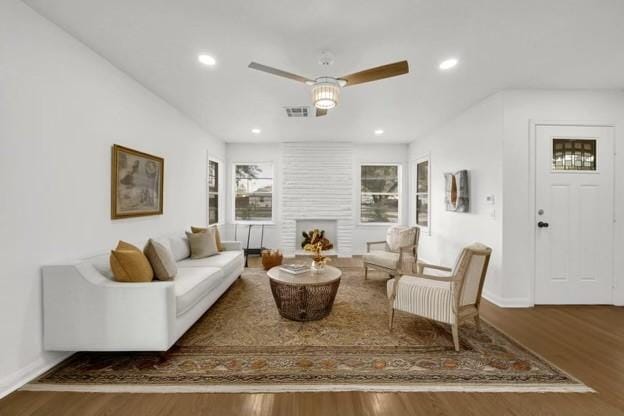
(318, 259)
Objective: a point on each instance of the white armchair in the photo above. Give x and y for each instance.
(450, 296)
(398, 254)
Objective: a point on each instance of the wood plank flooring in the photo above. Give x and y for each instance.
(586, 341)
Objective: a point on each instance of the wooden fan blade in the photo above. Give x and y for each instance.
(321, 112)
(278, 72)
(374, 74)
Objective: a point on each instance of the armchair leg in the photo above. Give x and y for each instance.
(391, 313)
(365, 272)
(455, 330)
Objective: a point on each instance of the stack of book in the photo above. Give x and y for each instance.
(295, 268)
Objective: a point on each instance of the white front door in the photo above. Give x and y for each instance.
(575, 212)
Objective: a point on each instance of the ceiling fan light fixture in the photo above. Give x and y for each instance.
(325, 93)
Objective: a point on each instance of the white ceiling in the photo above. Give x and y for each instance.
(500, 44)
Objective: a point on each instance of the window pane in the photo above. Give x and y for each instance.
(213, 176)
(254, 207)
(384, 179)
(252, 171)
(422, 210)
(422, 177)
(574, 154)
(213, 208)
(379, 208)
(254, 192)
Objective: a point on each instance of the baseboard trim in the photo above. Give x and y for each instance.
(17, 379)
(506, 302)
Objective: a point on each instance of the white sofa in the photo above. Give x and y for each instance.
(84, 309)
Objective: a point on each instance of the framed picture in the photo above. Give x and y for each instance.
(137, 183)
(457, 196)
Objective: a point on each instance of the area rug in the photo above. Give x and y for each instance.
(242, 344)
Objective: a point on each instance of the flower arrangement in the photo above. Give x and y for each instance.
(318, 259)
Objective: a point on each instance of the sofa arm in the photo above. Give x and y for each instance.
(232, 245)
(84, 311)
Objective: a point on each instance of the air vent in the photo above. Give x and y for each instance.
(300, 111)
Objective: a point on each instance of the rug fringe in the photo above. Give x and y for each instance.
(293, 388)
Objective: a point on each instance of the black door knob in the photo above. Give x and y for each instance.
(542, 224)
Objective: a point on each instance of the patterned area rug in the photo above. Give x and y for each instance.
(242, 344)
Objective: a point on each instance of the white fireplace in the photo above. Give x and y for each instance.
(329, 226)
(317, 192)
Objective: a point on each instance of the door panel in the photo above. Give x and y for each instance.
(574, 202)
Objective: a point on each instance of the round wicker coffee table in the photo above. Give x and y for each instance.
(307, 296)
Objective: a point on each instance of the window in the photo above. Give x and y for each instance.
(574, 154)
(422, 193)
(379, 198)
(253, 192)
(213, 191)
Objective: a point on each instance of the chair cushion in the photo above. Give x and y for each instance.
(428, 298)
(226, 260)
(193, 284)
(385, 259)
(399, 236)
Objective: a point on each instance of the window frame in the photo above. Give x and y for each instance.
(399, 194)
(233, 188)
(415, 193)
(219, 193)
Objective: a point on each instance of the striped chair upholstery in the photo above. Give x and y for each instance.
(444, 295)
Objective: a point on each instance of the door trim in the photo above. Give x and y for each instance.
(533, 125)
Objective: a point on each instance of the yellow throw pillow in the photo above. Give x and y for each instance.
(196, 230)
(129, 264)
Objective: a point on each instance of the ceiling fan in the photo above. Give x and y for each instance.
(326, 89)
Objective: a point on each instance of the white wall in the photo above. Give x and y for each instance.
(61, 108)
(271, 152)
(472, 141)
(491, 139)
(521, 107)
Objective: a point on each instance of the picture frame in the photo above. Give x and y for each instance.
(137, 183)
(457, 195)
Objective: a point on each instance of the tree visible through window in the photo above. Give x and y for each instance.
(253, 186)
(379, 194)
(213, 192)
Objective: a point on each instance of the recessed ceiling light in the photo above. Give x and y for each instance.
(448, 64)
(378, 132)
(256, 131)
(207, 60)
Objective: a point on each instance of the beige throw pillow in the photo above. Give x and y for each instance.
(161, 260)
(203, 244)
(217, 234)
(129, 264)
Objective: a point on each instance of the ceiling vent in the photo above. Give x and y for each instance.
(299, 111)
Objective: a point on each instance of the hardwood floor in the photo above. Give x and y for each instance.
(586, 341)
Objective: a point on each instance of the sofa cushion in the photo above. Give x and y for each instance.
(203, 244)
(228, 261)
(195, 230)
(129, 264)
(179, 247)
(192, 284)
(161, 259)
(385, 259)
